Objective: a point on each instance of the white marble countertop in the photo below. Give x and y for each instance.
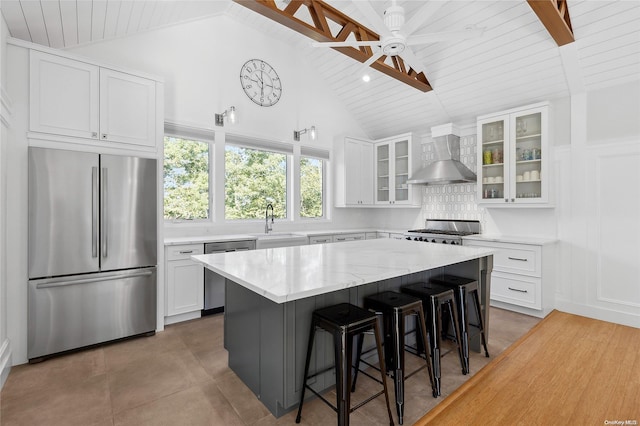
(539, 241)
(291, 273)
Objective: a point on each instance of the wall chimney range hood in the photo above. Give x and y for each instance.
(447, 168)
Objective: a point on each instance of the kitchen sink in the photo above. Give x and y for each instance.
(279, 239)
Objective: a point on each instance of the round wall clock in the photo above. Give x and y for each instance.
(261, 82)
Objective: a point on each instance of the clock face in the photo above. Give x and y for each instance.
(260, 82)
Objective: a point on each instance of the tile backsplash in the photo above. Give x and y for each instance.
(452, 201)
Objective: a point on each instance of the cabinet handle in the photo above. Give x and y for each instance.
(513, 200)
(94, 134)
(518, 290)
(506, 200)
(517, 258)
(186, 251)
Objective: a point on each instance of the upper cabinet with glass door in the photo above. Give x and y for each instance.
(396, 159)
(514, 157)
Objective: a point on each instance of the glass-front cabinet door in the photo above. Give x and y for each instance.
(401, 170)
(512, 151)
(396, 159)
(382, 173)
(528, 154)
(494, 179)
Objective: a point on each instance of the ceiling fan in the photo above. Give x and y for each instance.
(396, 35)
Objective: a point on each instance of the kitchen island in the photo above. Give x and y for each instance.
(271, 293)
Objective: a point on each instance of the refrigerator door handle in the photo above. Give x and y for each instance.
(93, 280)
(94, 212)
(103, 215)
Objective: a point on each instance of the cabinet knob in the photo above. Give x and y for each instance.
(506, 200)
(104, 136)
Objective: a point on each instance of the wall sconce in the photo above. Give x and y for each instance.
(231, 113)
(313, 134)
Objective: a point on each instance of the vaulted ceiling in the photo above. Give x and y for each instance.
(516, 61)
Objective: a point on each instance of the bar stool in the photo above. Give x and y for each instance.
(462, 286)
(395, 307)
(343, 321)
(433, 297)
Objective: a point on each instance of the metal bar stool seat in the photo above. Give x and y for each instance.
(433, 298)
(462, 287)
(395, 307)
(343, 321)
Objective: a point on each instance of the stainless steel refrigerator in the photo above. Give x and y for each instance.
(92, 249)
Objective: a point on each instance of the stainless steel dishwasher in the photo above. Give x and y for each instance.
(214, 283)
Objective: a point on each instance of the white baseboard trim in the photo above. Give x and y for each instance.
(520, 309)
(5, 362)
(598, 313)
(182, 317)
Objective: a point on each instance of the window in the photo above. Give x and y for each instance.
(186, 178)
(254, 177)
(311, 187)
(313, 163)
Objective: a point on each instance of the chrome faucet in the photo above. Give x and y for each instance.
(268, 227)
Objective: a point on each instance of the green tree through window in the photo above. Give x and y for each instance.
(186, 179)
(254, 178)
(311, 186)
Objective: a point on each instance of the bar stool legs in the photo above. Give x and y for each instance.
(343, 321)
(433, 297)
(462, 287)
(394, 308)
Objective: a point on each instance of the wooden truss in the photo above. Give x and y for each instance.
(321, 13)
(554, 15)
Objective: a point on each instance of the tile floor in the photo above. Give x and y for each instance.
(180, 377)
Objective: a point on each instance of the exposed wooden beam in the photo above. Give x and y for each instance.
(320, 30)
(554, 15)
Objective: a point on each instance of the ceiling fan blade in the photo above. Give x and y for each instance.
(376, 55)
(346, 43)
(421, 16)
(372, 16)
(467, 33)
(412, 60)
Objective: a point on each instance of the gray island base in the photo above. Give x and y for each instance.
(266, 339)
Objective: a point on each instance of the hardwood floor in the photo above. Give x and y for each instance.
(180, 377)
(566, 370)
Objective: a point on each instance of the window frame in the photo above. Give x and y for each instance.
(197, 135)
(263, 146)
(218, 139)
(325, 165)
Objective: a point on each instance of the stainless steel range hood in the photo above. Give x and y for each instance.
(447, 168)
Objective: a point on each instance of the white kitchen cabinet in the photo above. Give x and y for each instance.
(354, 173)
(127, 108)
(523, 276)
(321, 239)
(79, 99)
(349, 237)
(396, 159)
(64, 96)
(184, 280)
(513, 157)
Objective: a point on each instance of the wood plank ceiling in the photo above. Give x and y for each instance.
(515, 62)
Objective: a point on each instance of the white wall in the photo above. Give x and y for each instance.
(599, 208)
(201, 72)
(5, 127)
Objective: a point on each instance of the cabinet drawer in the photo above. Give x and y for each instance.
(522, 259)
(349, 237)
(517, 290)
(321, 239)
(184, 251)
